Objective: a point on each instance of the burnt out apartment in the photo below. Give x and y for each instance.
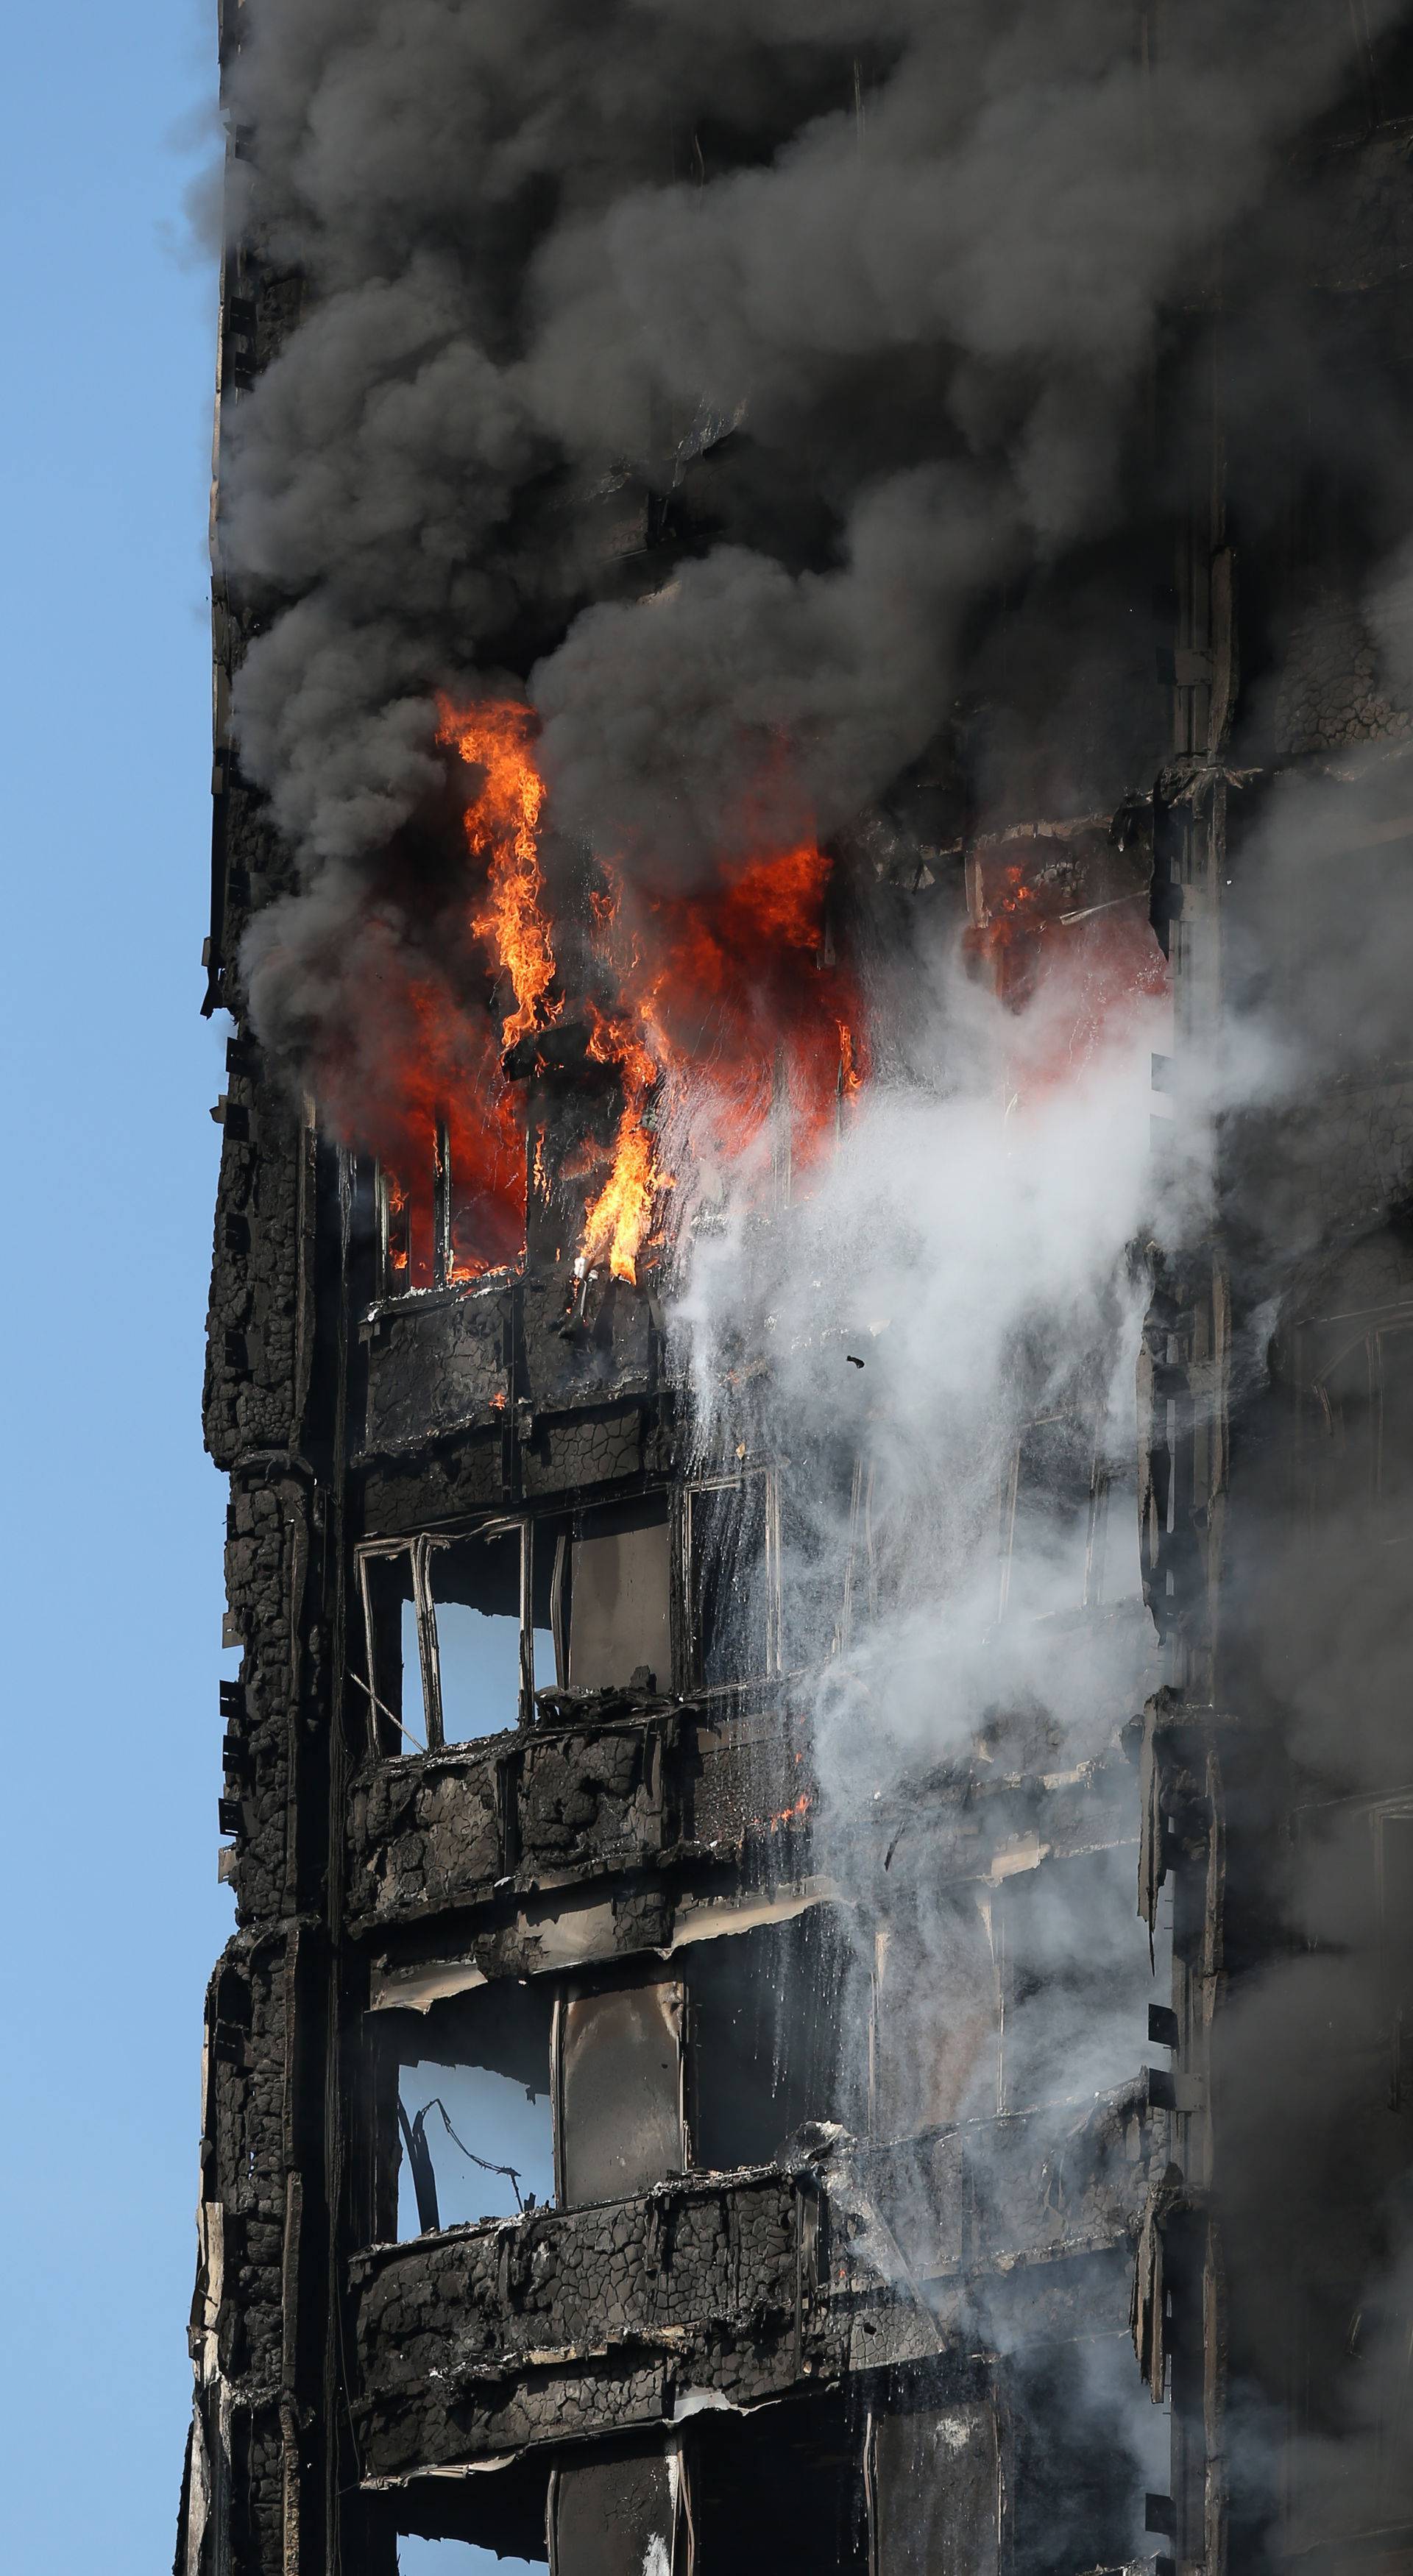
(812, 1310)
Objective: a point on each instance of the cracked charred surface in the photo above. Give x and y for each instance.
(561, 1805)
(744, 2286)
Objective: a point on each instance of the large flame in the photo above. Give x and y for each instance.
(502, 828)
(424, 1061)
(728, 1032)
(733, 1036)
(716, 1018)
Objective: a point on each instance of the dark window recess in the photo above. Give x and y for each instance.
(475, 2130)
(616, 1619)
(934, 2490)
(1081, 2454)
(1395, 1872)
(616, 2516)
(241, 320)
(783, 2489)
(775, 2018)
(1364, 1389)
(733, 1573)
(618, 2077)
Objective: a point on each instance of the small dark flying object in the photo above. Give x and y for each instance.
(853, 1363)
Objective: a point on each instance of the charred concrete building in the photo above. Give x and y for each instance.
(817, 1784)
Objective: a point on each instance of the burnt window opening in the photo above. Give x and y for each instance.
(429, 1226)
(458, 1632)
(992, 1998)
(935, 2014)
(1360, 1371)
(731, 1548)
(624, 2514)
(776, 2029)
(1073, 1978)
(610, 1603)
(418, 2556)
(620, 2122)
(1086, 2448)
(782, 2488)
(711, 2068)
(935, 2488)
(473, 2136)
(1069, 1522)
(491, 2525)
(577, 2091)
(1356, 1878)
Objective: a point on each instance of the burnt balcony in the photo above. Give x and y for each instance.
(663, 1787)
(726, 2289)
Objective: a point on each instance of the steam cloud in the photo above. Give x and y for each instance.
(853, 309)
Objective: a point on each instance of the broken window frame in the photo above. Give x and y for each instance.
(393, 1279)
(1101, 1477)
(767, 1472)
(422, 1546)
(575, 1528)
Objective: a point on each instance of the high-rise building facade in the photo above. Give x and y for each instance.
(717, 2067)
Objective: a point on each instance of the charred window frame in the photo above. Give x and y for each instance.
(1059, 1460)
(407, 1588)
(729, 1578)
(631, 2076)
(416, 1253)
(612, 1612)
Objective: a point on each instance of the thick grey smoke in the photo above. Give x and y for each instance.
(544, 256)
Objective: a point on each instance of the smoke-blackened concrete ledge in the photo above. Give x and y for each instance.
(436, 1364)
(510, 1352)
(737, 2287)
(672, 1786)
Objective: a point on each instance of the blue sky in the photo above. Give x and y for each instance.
(113, 1517)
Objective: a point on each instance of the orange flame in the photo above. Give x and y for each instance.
(716, 1019)
(502, 828)
(726, 1010)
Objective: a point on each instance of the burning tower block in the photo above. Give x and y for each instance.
(630, 2146)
